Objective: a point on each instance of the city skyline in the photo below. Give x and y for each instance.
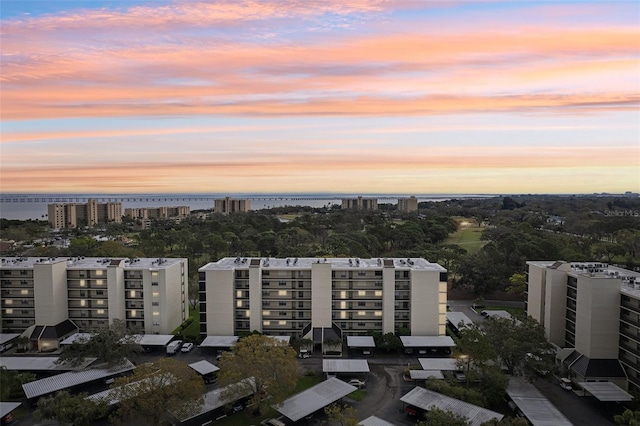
(295, 97)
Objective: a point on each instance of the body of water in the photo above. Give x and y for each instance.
(34, 206)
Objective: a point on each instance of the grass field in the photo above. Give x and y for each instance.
(468, 238)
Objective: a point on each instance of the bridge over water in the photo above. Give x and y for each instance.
(155, 198)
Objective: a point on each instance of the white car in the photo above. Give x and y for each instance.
(356, 382)
(187, 347)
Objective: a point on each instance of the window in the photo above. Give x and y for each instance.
(343, 295)
(99, 292)
(362, 273)
(282, 313)
(266, 303)
(378, 293)
(99, 282)
(8, 302)
(362, 313)
(155, 294)
(266, 293)
(83, 283)
(155, 303)
(154, 273)
(282, 323)
(282, 283)
(156, 313)
(100, 302)
(155, 283)
(99, 272)
(156, 324)
(9, 311)
(134, 313)
(239, 293)
(281, 303)
(239, 304)
(282, 292)
(301, 294)
(362, 293)
(266, 313)
(266, 323)
(83, 303)
(23, 272)
(378, 313)
(132, 293)
(362, 324)
(362, 303)
(100, 311)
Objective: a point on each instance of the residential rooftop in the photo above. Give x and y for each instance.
(82, 262)
(336, 263)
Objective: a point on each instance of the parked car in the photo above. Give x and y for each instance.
(237, 408)
(460, 376)
(187, 347)
(174, 347)
(357, 383)
(304, 354)
(565, 384)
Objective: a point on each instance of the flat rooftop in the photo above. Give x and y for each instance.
(345, 366)
(296, 263)
(313, 399)
(360, 342)
(427, 341)
(538, 409)
(81, 262)
(40, 363)
(219, 341)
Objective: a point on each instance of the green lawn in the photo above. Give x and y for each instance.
(468, 238)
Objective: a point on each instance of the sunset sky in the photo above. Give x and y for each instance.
(362, 96)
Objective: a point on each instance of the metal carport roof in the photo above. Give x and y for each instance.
(345, 366)
(213, 400)
(360, 342)
(79, 337)
(7, 337)
(7, 407)
(426, 400)
(219, 341)
(606, 391)
(427, 341)
(40, 363)
(455, 318)
(535, 406)
(313, 399)
(441, 364)
(73, 378)
(204, 367)
(375, 421)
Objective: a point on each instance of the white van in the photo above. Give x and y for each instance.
(174, 347)
(565, 384)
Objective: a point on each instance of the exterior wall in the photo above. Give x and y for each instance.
(172, 298)
(321, 296)
(50, 292)
(555, 306)
(388, 301)
(229, 205)
(255, 299)
(71, 215)
(115, 294)
(56, 216)
(360, 203)
(598, 317)
(536, 285)
(17, 297)
(219, 303)
(425, 304)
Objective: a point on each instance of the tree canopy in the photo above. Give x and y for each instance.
(270, 362)
(154, 388)
(67, 408)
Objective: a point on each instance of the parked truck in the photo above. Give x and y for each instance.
(174, 347)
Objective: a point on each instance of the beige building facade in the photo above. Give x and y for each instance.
(150, 295)
(73, 215)
(230, 205)
(593, 308)
(294, 296)
(408, 205)
(157, 212)
(360, 203)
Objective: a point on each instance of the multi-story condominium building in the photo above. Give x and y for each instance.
(360, 203)
(296, 296)
(150, 295)
(408, 205)
(594, 309)
(157, 212)
(72, 215)
(229, 205)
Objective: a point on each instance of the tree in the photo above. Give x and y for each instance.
(521, 345)
(345, 415)
(438, 417)
(11, 383)
(271, 363)
(153, 389)
(75, 409)
(389, 342)
(517, 284)
(627, 418)
(111, 345)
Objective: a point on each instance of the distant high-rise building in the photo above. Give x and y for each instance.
(229, 205)
(408, 204)
(360, 203)
(72, 215)
(157, 212)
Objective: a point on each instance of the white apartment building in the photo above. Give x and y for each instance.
(593, 308)
(150, 295)
(408, 205)
(297, 296)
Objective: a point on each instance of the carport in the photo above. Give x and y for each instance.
(375, 421)
(425, 374)
(205, 369)
(41, 363)
(361, 345)
(427, 400)
(333, 367)
(313, 399)
(457, 321)
(79, 338)
(606, 391)
(6, 339)
(439, 364)
(536, 408)
(219, 343)
(5, 411)
(424, 345)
